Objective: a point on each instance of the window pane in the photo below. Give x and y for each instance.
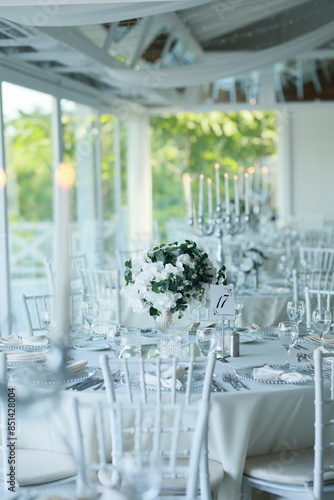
(28, 156)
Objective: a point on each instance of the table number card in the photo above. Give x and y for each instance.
(222, 301)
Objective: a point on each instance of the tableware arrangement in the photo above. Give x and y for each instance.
(288, 332)
(38, 376)
(322, 320)
(275, 374)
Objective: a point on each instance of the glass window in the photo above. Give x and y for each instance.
(29, 158)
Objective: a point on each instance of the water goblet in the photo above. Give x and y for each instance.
(90, 310)
(114, 340)
(322, 320)
(238, 307)
(206, 339)
(46, 321)
(288, 332)
(131, 342)
(295, 310)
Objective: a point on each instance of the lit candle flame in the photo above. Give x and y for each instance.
(265, 170)
(251, 170)
(65, 175)
(3, 178)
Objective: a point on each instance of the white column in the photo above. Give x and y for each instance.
(5, 307)
(285, 177)
(139, 177)
(120, 212)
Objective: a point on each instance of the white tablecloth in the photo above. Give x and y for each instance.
(264, 419)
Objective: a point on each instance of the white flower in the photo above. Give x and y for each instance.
(160, 279)
(246, 265)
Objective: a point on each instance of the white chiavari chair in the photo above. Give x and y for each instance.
(317, 299)
(34, 305)
(315, 280)
(152, 389)
(33, 467)
(310, 474)
(316, 259)
(76, 262)
(104, 284)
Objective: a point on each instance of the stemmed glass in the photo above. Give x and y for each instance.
(47, 322)
(206, 339)
(295, 310)
(288, 332)
(90, 311)
(322, 320)
(238, 307)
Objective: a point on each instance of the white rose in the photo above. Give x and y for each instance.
(246, 265)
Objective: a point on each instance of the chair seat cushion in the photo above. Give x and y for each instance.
(38, 466)
(293, 467)
(178, 485)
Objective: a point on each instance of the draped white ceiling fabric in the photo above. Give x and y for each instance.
(85, 12)
(232, 14)
(220, 65)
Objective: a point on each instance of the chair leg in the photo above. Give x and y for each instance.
(246, 490)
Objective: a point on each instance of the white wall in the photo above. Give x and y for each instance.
(306, 161)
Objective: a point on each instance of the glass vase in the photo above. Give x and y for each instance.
(175, 324)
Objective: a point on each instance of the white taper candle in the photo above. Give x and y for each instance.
(236, 195)
(227, 195)
(217, 178)
(200, 195)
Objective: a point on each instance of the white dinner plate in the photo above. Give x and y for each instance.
(91, 345)
(245, 339)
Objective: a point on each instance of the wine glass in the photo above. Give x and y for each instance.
(238, 307)
(288, 332)
(90, 311)
(46, 321)
(115, 340)
(206, 339)
(295, 310)
(322, 320)
(141, 477)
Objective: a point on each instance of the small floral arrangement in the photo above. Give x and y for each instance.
(252, 259)
(169, 277)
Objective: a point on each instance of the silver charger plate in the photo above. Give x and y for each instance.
(135, 382)
(31, 348)
(27, 362)
(39, 377)
(267, 330)
(247, 373)
(318, 344)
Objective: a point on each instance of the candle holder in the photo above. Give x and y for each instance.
(218, 226)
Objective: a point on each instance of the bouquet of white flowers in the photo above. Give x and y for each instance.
(169, 277)
(252, 259)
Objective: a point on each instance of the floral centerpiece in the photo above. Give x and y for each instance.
(169, 278)
(253, 259)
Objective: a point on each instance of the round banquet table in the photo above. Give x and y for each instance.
(265, 418)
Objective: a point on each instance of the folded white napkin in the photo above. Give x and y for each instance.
(267, 372)
(78, 366)
(18, 340)
(166, 378)
(328, 338)
(21, 356)
(204, 324)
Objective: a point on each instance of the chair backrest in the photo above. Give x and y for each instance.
(172, 434)
(317, 299)
(34, 305)
(316, 259)
(76, 263)
(104, 284)
(164, 377)
(315, 280)
(324, 422)
(4, 422)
